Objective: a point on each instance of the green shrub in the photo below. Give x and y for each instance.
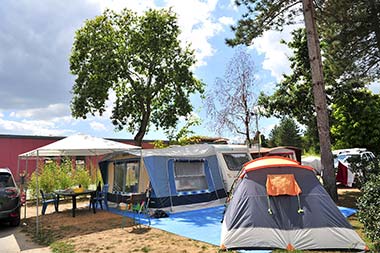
(369, 208)
(82, 177)
(47, 179)
(53, 176)
(64, 175)
(62, 247)
(364, 169)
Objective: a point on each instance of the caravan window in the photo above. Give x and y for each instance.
(126, 176)
(190, 176)
(235, 161)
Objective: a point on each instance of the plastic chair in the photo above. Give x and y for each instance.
(48, 198)
(101, 196)
(139, 206)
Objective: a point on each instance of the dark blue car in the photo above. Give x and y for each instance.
(9, 198)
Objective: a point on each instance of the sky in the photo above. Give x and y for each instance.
(35, 44)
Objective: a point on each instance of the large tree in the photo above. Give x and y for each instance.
(354, 113)
(231, 103)
(287, 133)
(352, 30)
(263, 15)
(356, 118)
(293, 96)
(141, 59)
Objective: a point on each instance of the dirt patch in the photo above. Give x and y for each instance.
(106, 232)
(347, 197)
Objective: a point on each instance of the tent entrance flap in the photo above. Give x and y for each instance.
(282, 184)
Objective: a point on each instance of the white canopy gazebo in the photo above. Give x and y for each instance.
(78, 145)
(75, 145)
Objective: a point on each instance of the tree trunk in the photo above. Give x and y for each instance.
(142, 129)
(320, 99)
(247, 134)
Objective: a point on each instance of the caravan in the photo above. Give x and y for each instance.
(231, 159)
(179, 178)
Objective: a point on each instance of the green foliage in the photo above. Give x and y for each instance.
(352, 30)
(141, 59)
(82, 177)
(293, 96)
(62, 247)
(369, 212)
(356, 114)
(159, 144)
(355, 111)
(64, 175)
(263, 15)
(364, 169)
(285, 134)
(48, 177)
(52, 176)
(182, 136)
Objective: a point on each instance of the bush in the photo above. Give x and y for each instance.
(369, 208)
(47, 178)
(64, 175)
(53, 176)
(82, 177)
(364, 169)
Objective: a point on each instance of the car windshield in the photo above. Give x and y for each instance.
(235, 161)
(349, 157)
(6, 180)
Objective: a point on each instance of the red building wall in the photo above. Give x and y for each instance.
(13, 145)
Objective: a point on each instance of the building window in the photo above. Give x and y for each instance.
(80, 162)
(190, 176)
(235, 161)
(126, 176)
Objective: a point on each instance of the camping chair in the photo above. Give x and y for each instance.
(139, 206)
(100, 196)
(48, 198)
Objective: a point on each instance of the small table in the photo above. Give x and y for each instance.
(73, 195)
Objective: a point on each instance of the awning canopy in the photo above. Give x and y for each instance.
(79, 145)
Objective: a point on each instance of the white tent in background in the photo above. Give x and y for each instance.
(79, 145)
(75, 145)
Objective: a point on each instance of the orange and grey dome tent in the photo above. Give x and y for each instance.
(278, 203)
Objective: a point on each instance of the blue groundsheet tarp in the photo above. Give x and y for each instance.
(202, 225)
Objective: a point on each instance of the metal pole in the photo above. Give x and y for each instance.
(37, 191)
(258, 133)
(26, 189)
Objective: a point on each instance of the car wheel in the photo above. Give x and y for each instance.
(15, 222)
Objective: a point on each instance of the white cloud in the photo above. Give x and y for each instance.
(117, 5)
(37, 101)
(232, 5)
(97, 126)
(275, 54)
(50, 112)
(375, 87)
(34, 127)
(226, 20)
(195, 29)
(265, 130)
